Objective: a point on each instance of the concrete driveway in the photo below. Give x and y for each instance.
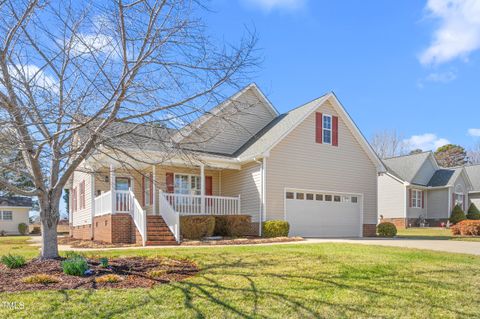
(450, 246)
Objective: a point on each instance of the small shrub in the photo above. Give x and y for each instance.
(13, 261)
(22, 228)
(43, 279)
(386, 229)
(2, 233)
(466, 228)
(73, 254)
(104, 262)
(110, 278)
(197, 227)
(275, 228)
(473, 212)
(457, 215)
(232, 225)
(157, 273)
(76, 266)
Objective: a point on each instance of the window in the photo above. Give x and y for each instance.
(354, 199)
(459, 198)
(328, 198)
(289, 195)
(147, 191)
(300, 195)
(7, 215)
(309, 196)
(187, 184)
(122, 183)
(416, 198)
(82, 195)
(319, 197)
(327, 129)
(346, 199)
(336, 198)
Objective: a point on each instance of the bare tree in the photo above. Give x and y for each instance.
(388, 144)
(70, 71)
(473, 154)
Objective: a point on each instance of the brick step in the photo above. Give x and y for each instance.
(156, 225)
(161, 243)
(161, 239)
(159, 233)
(158, 229)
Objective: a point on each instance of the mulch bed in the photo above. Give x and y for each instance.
(240, 241)
(80, 243)
(133, 271)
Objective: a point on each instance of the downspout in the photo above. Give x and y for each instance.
(262, 176)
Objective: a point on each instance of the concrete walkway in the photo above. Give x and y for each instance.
(450, 246)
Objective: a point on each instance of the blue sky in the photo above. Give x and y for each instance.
(407, 65)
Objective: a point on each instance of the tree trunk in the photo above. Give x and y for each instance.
(49, 215)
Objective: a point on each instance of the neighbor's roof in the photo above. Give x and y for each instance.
(15, 201)
(445, 176)
(473, 172)
(406, 167)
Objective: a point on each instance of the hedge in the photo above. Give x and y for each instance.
(473, 212)
(197, 227)
(457, 215)
(23, 228)
(466, 228)
(386, 229)
(275, 228)
(232, 225)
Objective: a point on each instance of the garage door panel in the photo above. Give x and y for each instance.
(312, 218)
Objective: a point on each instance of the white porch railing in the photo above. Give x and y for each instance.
(169, 215)
(214, 205)
(139, 217)
(124, 201)
(103, 204)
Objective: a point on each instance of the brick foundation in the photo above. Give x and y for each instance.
(369, 230)
(398, 222)
(81, 232)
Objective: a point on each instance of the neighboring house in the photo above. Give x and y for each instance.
(13, 211)
(415, 187)
(311, 167)
(473, 172)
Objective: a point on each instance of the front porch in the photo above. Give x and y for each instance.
(155, 197)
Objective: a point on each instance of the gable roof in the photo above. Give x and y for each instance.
(473, 172)
(15, 201)
(281, 126)
(406, 167)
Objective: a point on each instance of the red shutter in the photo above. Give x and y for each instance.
(335, 130)
(423, 199)
(151, 188)
(409, 198)
(169, 182)
(143, 190)
(318, 127)
(208, 185)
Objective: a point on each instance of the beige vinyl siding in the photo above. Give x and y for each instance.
(391, 197)
(19, 215)
(247, 183)
(299, 162)
(414, 212)
(238, 122)
(461, 185)
(82, 216)
(425, 173)
(437, 203)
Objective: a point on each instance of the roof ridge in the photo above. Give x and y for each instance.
(405, 155)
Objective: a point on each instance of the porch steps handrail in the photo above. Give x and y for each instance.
(103, 204)
(170, 216)
(139, 216)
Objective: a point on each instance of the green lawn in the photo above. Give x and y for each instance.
(282, 281)
(432, 233)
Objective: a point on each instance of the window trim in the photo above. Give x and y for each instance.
(416, 200)
(175, 188)
(3, 215)
(327, 129)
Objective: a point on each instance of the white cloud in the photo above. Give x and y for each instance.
(93, 44)
(441, 77)
(37, 78)
(458, 33)
(268, 5)
(425, 142)
(475, 132)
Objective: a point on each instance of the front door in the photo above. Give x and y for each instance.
(122, 183)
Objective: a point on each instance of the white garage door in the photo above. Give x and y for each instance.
(476, 201)
(317, 214)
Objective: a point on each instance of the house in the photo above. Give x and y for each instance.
(473, 172)
(414, 187)
(13, 211)
(310, 166)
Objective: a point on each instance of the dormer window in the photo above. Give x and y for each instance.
(327, 129)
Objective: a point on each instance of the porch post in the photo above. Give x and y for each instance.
(112, 189)
(202, 188)
(92, 203)
(154, 183)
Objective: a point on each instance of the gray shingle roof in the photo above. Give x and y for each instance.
(473, 172)
(15, 201)
(445, 176)
(406, 167)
